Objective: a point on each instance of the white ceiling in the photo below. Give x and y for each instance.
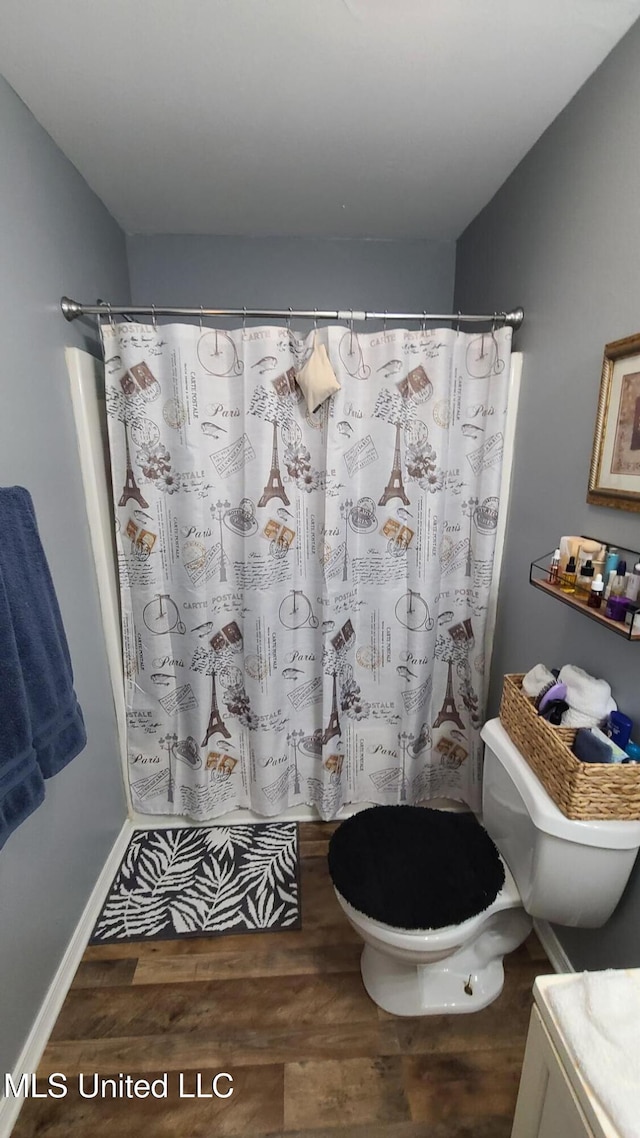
(368, 118)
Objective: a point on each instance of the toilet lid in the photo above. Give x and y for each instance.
(415, 868)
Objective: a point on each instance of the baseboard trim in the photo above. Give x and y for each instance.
(554, 950)
(37, 1039)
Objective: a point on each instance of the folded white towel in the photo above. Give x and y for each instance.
(576, 719)
(536, 680)
(599, 1016)
(589, 699)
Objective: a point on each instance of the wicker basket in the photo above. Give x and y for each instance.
(582, 791)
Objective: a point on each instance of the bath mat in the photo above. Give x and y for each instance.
(198, 881)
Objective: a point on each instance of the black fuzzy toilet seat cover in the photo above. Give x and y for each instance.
(415, 868)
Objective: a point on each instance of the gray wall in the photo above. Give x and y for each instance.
(57, 237)
(562, 238)
(292, 272)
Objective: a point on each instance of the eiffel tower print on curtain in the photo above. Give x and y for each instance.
(274, 487)
(216, 722)
(130, 488)
(395, 486)
(449, 712)
(333, 727)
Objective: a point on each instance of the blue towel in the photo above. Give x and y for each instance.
(43, 711)
(21, 782)
(589, 748)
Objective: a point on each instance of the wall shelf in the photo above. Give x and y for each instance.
(538, 574)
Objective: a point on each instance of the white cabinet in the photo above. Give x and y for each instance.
(547, 1105)
(553, 1100)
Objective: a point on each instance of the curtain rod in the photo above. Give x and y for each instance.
(71, 309)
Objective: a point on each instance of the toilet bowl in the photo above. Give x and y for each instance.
(557, 869)
(458, 968)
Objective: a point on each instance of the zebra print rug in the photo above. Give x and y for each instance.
(198, 881)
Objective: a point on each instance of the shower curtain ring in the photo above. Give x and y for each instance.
(153, 318)
(423, 326)
(110, 315)
(244, 318)
(458, 323)
(315, 319)
(289, 318)
(384, 322)
(201, 315)
(493, 323)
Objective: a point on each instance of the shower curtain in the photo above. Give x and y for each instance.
(304, 595)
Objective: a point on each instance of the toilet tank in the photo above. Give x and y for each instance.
(571, 873)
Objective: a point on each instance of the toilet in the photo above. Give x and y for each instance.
(541, 864)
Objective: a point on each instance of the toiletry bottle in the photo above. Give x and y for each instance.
(617, 604)
(619, 583)
(619, 728)
(568, 578)
(633, 585)
(554, 568)
(617, 608)
(611, 561)
(632, 617)
(595, 596)
(608, 583)
(633, 751)
(584, 581)
(599, 561)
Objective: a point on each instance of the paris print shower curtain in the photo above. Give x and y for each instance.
(304, 595)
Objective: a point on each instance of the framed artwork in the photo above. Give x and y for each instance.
(614, 478)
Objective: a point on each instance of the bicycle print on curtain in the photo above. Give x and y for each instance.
(304, 596)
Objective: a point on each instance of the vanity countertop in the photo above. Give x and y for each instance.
(544, 986)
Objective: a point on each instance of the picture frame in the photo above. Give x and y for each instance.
(614, 477)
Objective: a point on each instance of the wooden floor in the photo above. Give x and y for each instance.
(286, 1014)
